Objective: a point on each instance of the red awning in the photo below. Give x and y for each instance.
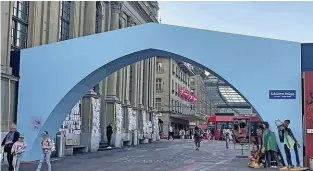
(220, 119)
(231, 118)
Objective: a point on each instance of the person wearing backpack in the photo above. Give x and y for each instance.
(8, 142)
(17, 151)
(197, 137)
(47, 146)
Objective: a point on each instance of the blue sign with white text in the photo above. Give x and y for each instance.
(282, 94)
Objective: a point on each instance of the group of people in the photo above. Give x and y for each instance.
(197, 134)
(265, 149)
(189, 133)
(14, 146)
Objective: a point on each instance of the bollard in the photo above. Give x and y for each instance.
(60, 144)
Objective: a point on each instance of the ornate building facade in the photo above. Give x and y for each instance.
(125, 98)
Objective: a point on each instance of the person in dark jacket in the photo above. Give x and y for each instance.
(197, 137)
(109, 134)
(8, 142)
(290, 142)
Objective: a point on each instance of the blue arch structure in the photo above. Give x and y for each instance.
(54, 77)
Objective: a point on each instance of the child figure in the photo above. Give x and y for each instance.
(254, 158)
(47, 147)
(17, 151)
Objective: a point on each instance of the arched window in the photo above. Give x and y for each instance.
(65, 9)
(19, 31)
(98, 17)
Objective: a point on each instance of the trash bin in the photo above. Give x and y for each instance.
(60, 144)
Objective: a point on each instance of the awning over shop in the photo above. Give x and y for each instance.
(231, 118)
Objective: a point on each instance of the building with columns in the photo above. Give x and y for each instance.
(175, 111)
(129, 91)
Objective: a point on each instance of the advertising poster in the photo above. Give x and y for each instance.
(308, 114)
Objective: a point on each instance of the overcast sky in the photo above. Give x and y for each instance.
(280, 20)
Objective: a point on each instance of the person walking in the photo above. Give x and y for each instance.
(47, 147)
(8, 142)
(197, 137)
(187, 134)
(17, 151)
(109, 134)
(192, 133)
(182, 134)
(269, 146)
(226, 133)
(170, 133)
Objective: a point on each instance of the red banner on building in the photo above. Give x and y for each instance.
(308, 114)
(187, 95)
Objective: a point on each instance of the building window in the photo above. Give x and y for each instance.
(173, 88)
(19, 31)
(192, 81)
(65, 9)
(159, 84)
(159, 67)
(158, 104)
(98, 17)
(173, 67)
(176, 71)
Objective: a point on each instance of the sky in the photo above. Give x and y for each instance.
(291, 21)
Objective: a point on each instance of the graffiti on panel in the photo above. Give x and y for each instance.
(72, 123)
(96, 116)
(309, 110)
(36, 123)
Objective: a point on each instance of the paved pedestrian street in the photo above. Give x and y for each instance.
(177, 155)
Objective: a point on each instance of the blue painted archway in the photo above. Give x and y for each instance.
(54, 77)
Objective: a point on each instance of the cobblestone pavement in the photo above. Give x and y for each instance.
(177, 155)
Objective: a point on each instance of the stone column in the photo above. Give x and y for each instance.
(52, 31)
(121, 80)
(153, 83)
(141, 63)
(111, 99)
(146, 83)
(87, 136)
(103, 90)
(6, 22)
(90, 18)
(112, 79)
(134, 86)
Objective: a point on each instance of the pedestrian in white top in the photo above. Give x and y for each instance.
(170, 133)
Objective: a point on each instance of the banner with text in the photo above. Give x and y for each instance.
(282, 94)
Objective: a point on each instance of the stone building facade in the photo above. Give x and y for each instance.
(125, 98)
(202, 107)
(175, 111)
